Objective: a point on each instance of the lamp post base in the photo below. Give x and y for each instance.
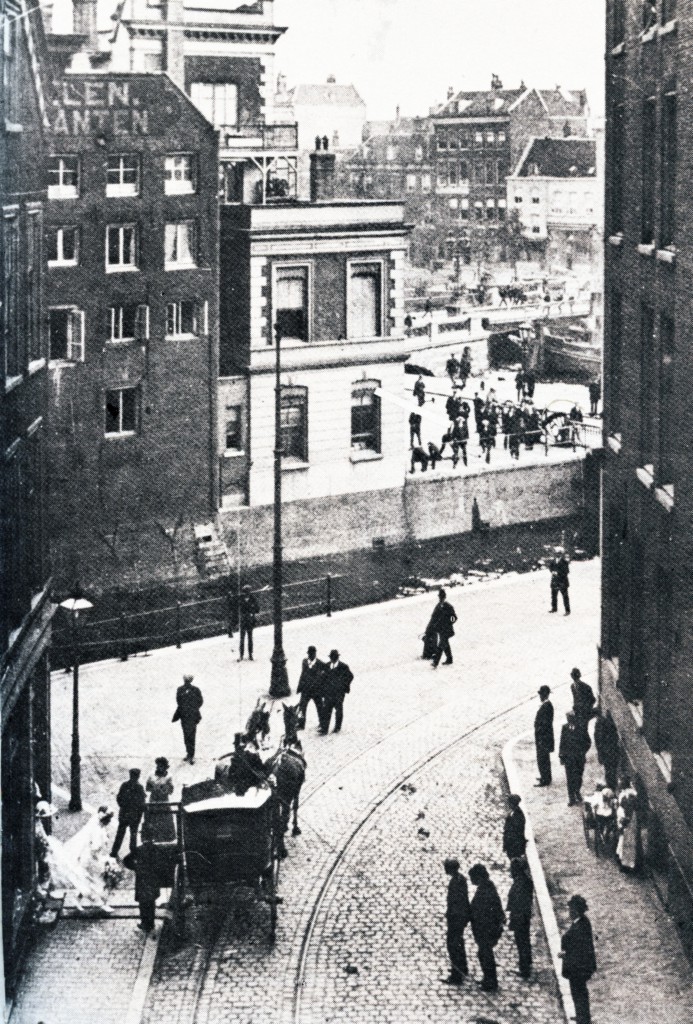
(279, 679)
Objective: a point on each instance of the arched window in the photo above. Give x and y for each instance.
(365, 416)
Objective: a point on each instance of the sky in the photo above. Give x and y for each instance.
(407, 53)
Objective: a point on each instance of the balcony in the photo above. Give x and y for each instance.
(255, 135)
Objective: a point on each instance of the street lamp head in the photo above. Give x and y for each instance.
(75, 605)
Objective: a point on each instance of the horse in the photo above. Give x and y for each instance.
(288, 766)
(257, 724)
(293, 721)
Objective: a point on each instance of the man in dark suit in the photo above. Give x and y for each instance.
(457, 917)
(560, 569)
(188, 703)
(131, 800)
(583, 699)
(543, 736)
(608, 745)
(336, 683)
(488, 918)
(247, 614)
(579, 960)
(572, 751)
(514, 840)
(442, 622)
(310, 684)
(147, 890)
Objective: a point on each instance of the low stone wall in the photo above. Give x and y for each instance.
(427, 506)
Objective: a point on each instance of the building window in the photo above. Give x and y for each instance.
(186, 319)
(464, 209)
(121, 247)
(411, 183)
(479, 138)
(452, 174)
(442, 139)
(364, 312)
(668, 197)
(501, 137)
(556, 202)
(123, 175)
(478, 209)
(63, 177)
(452, 139)
(233, 431)
(647, 383)
(464, 171)
(180, 174)
(217, 101)
(589, 202)
(667, 412)
(418, 154)
(153, 63)
(179, 245)
(66, 334)
(425, 182)
(34, 253)
(572, 202)
(501, 209)
(122, 412)
(536, 198)
(128, 323)
(518, 199)
(491, 138)
(294, 423)
(62, 245)
(291, 303)
(365, 416)
(14, 363)
(648, 165)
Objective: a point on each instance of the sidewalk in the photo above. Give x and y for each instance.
(643, 974)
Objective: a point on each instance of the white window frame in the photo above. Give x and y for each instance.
(426, 182)
(61, 190)
(411, 183)
(216, 88)
(384, 297)
(192, 244)
(182, 187)
(122, 433)
(200, 319)
(231, 452)
(308, 267)
(121, 188)
(141, 324)
(75, 344)
(115, 268)
(60, 236)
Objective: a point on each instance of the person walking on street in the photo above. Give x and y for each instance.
(529, 383)
(452, 367)
(572, 751)
(519, 384)
(520, 902)
(487, 917)
(607, 742)
(247, 616)
(147, 889)
(579, 960)
(443, 621)
(131, 800)
(457, 917)
(414, 429)
(310, 684)
(419, 391)
(560, 570)
(595, 390)
(337, 681)
(188, 703)
(583, 699)
(514, 839)
(543, 736)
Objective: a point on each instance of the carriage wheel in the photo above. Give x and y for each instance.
(178, 900)
(272, 892)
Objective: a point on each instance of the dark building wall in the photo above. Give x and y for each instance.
(647, 592)
(234, 292)
(167, 469)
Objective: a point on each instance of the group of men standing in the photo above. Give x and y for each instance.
(326, 684)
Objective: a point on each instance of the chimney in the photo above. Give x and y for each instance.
(84, 22)
(174, 59)
(322, 168)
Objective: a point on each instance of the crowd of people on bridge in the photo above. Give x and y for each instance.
(512, 425)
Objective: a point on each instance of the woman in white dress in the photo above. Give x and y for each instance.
(628, 827)
(160, 787)
(64, 867)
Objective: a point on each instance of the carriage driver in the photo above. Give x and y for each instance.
(244, 770)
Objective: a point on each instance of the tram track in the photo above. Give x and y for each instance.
(200, 994)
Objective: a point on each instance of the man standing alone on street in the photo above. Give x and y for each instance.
(310, 684)
(457, 916)
(560, 569)
(188, 703)
(336, 684)
(579, 961)
(442, 622)
(543, 736)
(247, 614)
(131, 800)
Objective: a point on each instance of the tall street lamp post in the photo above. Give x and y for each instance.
(279, 680)
(75, 605)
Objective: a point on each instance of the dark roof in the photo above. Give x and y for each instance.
(558, 102)
(559, 158)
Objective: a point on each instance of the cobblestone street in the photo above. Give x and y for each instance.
(361, 888)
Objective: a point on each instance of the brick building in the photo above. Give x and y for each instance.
(647, 596)
(329, 274)
(556, 191)
(131, 240)
(25, 607)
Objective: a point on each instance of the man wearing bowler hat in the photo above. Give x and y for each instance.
(543, 736)
(336, 683)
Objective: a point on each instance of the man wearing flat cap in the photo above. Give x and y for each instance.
(543, 736)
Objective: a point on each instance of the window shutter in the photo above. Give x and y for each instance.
(142, 323)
